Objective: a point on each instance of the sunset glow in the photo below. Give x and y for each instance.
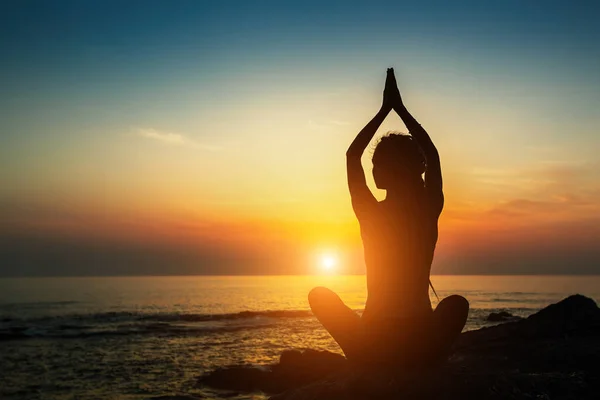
(328, 263)
(299, 199)
(216, 144)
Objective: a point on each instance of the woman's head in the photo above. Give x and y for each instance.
(397, 158)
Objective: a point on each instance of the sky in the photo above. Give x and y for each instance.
(207, 137)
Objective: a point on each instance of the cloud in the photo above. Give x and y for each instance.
(557, 207)
(174, 139)
(533, 195)
(545, 172)
(167, 137)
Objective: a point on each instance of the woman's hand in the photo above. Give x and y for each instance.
(391, 94)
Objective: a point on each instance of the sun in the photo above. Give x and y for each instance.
(328, 263)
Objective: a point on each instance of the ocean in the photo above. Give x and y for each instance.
(144, 337)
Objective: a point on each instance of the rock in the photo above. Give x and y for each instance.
(312, 363)
(295, 368)
(501, 317)
(574, 311)
(240, 377)
(552, 354)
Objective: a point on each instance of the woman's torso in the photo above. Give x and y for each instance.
(399, 240)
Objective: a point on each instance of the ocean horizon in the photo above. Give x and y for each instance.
(136, 337)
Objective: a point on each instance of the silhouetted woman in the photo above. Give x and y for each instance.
(399, 236)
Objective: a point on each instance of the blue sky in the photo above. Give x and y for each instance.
(234, 113)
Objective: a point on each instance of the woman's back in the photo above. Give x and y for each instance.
(399, 240)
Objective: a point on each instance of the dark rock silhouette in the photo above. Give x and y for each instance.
(501, 317)
(295, 368)
(553, 354)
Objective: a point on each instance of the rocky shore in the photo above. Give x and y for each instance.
(552, 354)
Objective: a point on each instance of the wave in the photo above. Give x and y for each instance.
(165, 330)
(122, 323)
(112, 316)
(81, 326)
(278, 314)
(40, 304)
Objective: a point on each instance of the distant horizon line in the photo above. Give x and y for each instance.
(272, 275)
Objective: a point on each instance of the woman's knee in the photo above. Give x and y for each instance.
(456, 303)
(459, 302)
(450, 316)
(320, 296)
(453, 307)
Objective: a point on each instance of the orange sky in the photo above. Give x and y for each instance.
(185, 147)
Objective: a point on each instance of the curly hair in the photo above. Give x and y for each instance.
(399, 150)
